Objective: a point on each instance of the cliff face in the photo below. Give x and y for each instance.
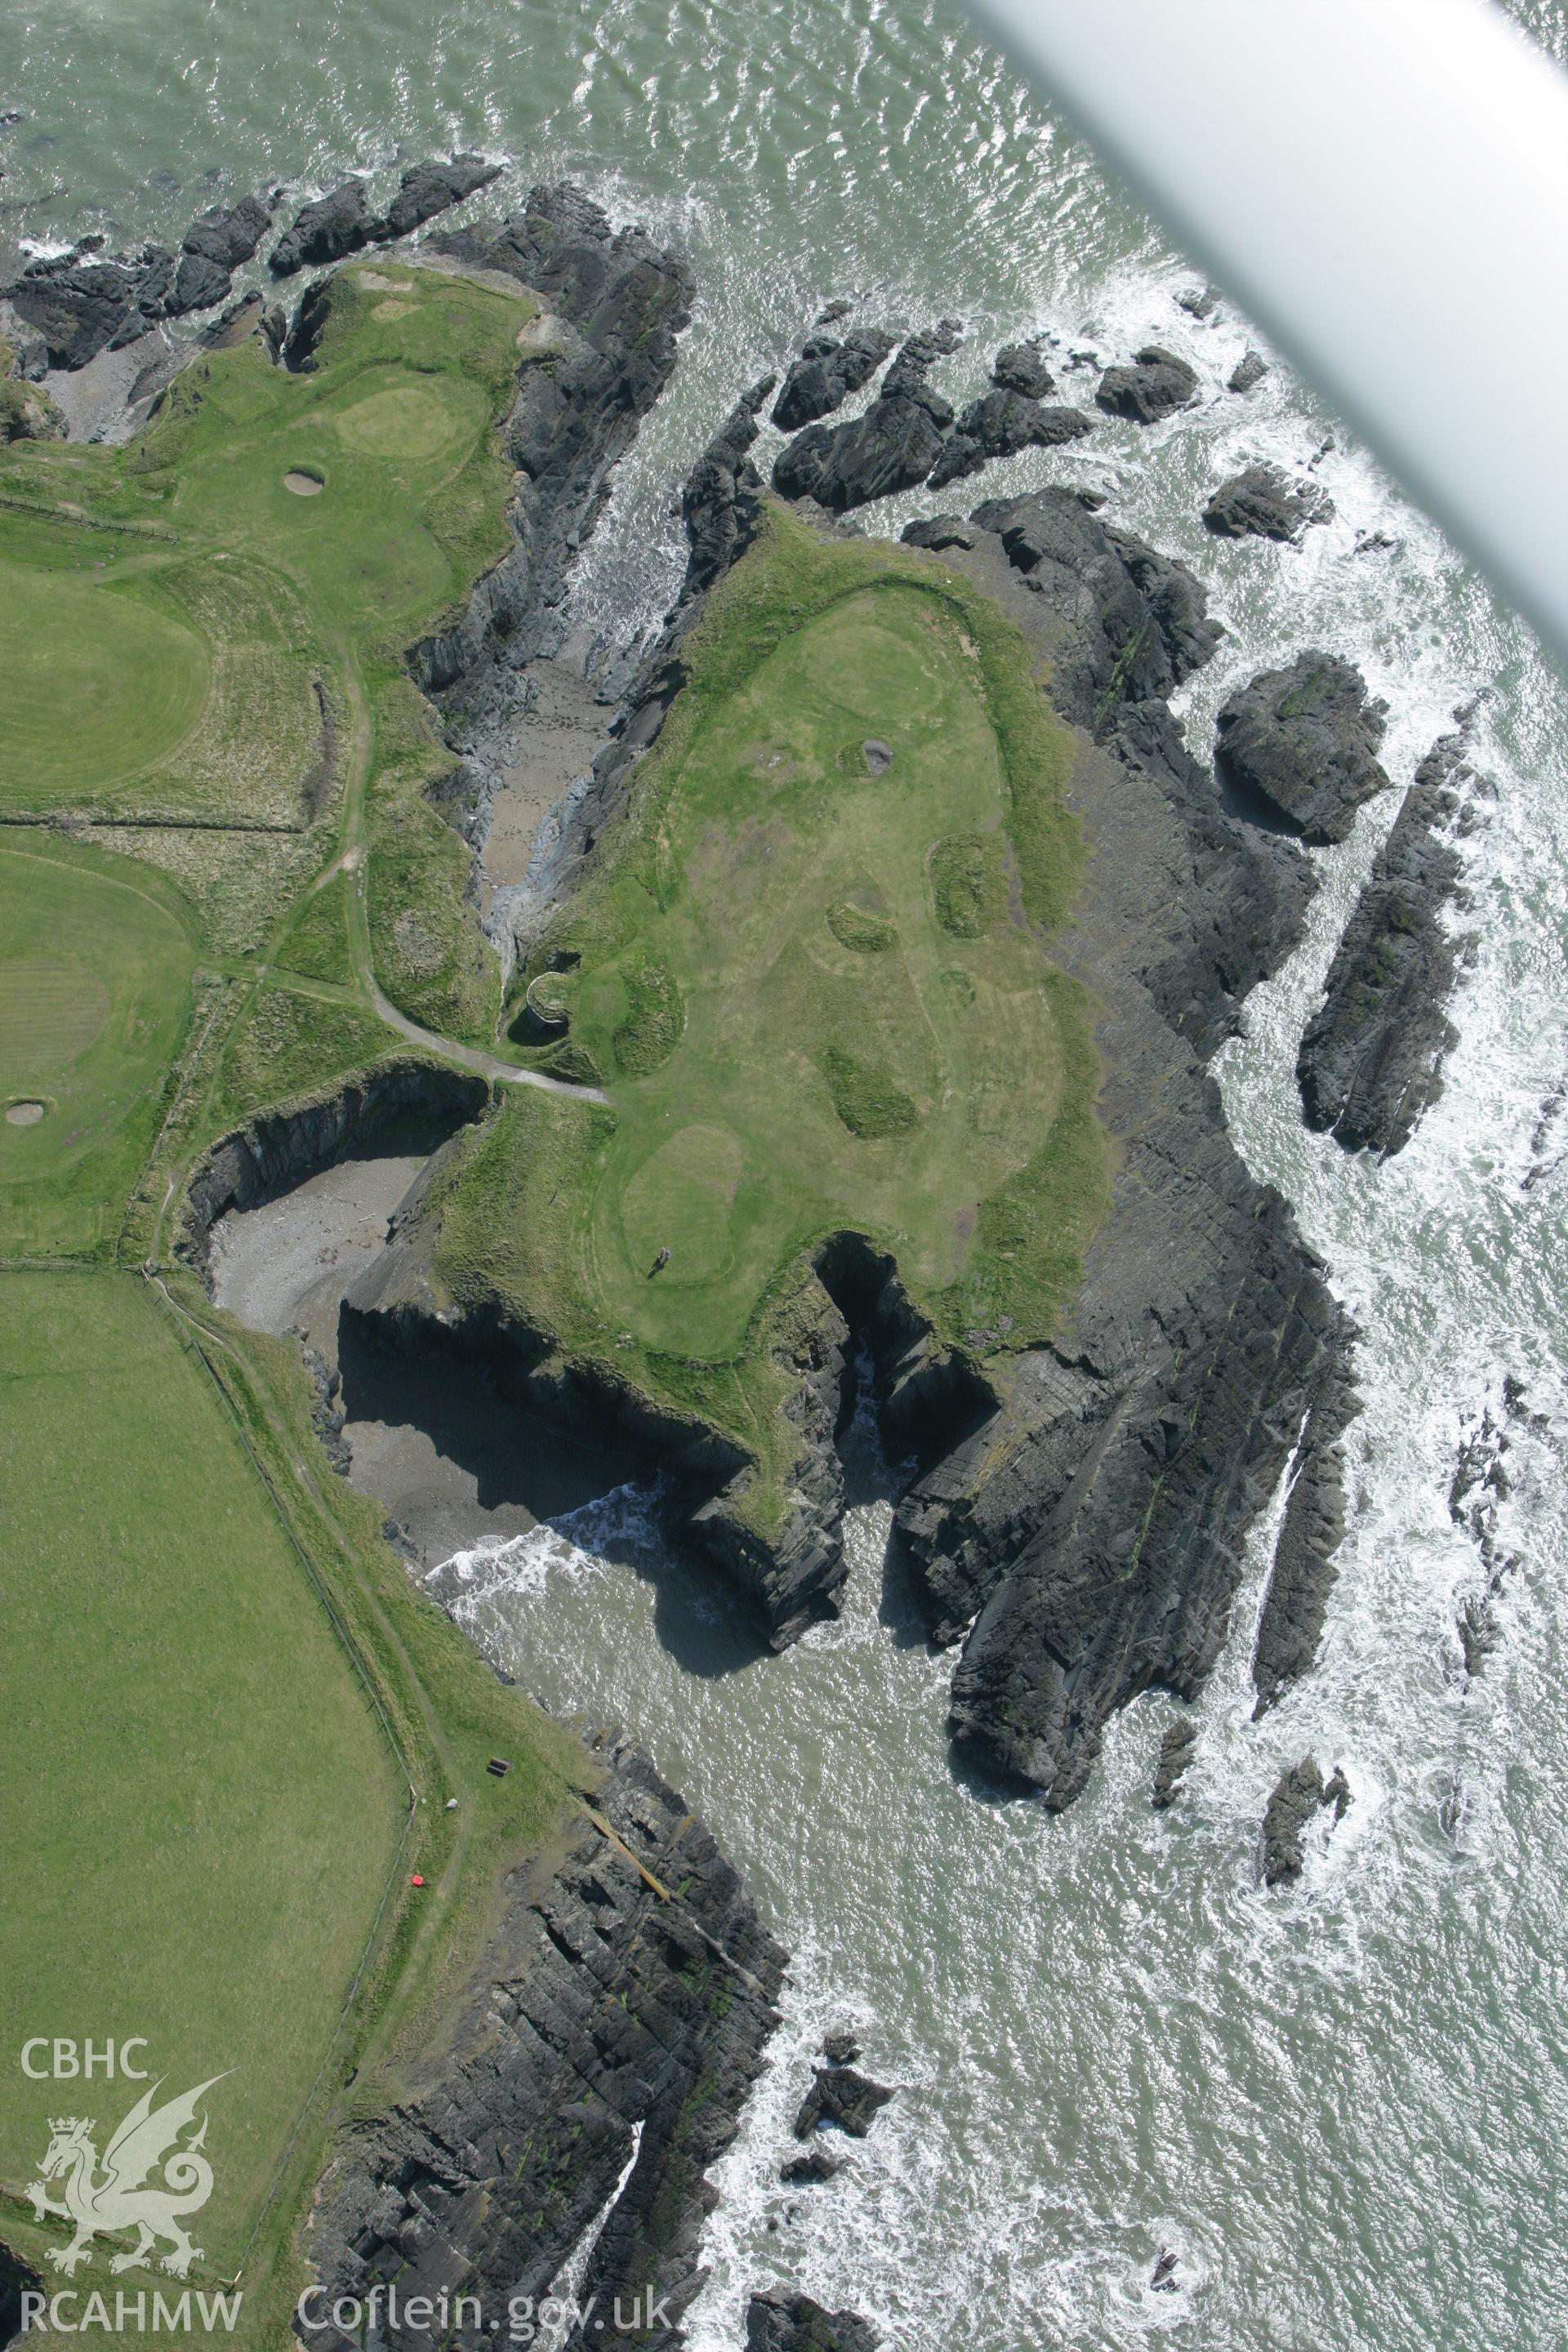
(599, 2060)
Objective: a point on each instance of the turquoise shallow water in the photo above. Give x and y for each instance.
(1342, 2108)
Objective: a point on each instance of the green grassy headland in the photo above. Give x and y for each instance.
(822, 998)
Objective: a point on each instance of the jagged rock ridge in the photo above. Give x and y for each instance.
(1371, 1058)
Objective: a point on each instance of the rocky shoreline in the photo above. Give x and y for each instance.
(597, 2067)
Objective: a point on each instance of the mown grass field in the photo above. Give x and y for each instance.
(96, 957)
(819, 988)
(202, 1810)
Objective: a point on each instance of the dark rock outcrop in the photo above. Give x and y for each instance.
(782, 2321)
(1122, 627)
(212, 248)
(1249, 370)
(1299, 1795)
(1262, 503)
(1021, 367)
(332, 226)
(826, 372)
(811, 2169)
(431, 188)
(84, 302)
(1176, 1746)
(324, 230)
(892, 448)
(1371, 1057)
(1303, 741)
(1481, 1485)
(844, 2098)
(1155, 385)
(999, 426)
(1301, 1577)
(622, 2004)
(721, 504)
(17, 2279)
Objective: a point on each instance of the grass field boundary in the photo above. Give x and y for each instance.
(133, 529)
(188, 1332)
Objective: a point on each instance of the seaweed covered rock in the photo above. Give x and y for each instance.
(1300, 1794)
(431, 188)
(826, 372)
(324, 230)
(1371, 1058)
(1302, 1574)
(1303, 742)
(841, 2097)
(1155, 385)
(212, 248)
(1263, 504)
(1176, 1744)
(84, 301)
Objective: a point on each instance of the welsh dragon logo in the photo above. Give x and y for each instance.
(119, 2198)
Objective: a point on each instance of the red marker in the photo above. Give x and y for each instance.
(416, 1880)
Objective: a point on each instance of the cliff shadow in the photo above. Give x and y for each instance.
(450, 1444)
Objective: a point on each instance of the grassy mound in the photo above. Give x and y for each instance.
(969, 883)
(866, 1096)
(861, 932)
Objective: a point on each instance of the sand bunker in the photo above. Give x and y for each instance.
(24, 1114)
(304, 486)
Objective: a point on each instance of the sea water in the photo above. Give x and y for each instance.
(1340, 2106)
